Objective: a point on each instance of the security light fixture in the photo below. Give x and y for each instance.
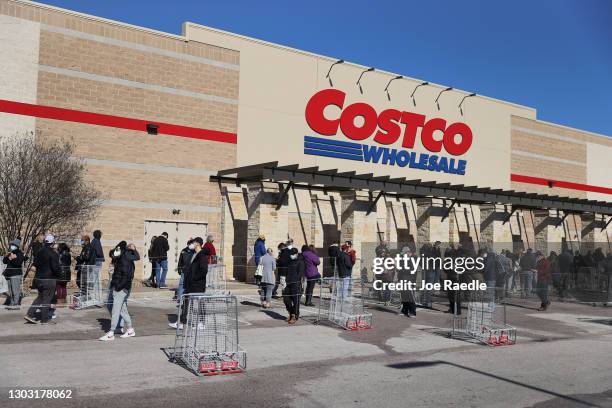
(441, 92)
(152, 128)
(417, 87)
(176, 211)
(461, 103)
(389, 83)
(329, 72)
(360, 76)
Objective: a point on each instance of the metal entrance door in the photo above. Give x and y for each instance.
(178, 234)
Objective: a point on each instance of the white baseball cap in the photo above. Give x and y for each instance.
(49, 238)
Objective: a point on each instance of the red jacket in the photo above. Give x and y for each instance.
(212, 253)
(353, 255)
(544, 269)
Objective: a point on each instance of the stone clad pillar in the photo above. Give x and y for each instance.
(262, 199)
(493, 231)
(430, 226)
(359, 227)
(548, 231)
(593, 235)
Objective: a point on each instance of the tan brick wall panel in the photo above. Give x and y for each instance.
(123, 184)
(116, 31)
(548, 147)
(94, 96)
(94, 57)
(107, 143)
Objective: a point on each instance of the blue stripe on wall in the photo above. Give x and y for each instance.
(331, 142)
(333, 154)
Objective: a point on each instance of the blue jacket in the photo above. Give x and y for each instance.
(259, 249)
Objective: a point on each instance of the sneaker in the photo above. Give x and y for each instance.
(108, 336)
(30, 319)
(129, 333)
(176, 325)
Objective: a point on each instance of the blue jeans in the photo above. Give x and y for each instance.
(161, 270)
(181, 286)
(528, 282)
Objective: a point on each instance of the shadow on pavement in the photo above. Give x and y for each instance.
(419, 364)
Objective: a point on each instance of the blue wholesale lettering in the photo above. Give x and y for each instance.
(384, 155)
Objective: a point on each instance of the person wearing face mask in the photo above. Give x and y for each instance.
(86, 258)
(293, 289)
(195, 278)
(96, 243)
(183, 263)
(46, 262)
(13, 273)
(284, 257)
(124, 257)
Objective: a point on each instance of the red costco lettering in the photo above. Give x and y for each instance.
(386, 126)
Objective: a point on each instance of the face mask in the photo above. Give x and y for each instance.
(191, 246)
(13, 247)
(117, 252)
(82, 242)
(289, 246)
(294, 256)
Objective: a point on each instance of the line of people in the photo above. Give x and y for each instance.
(296, 272)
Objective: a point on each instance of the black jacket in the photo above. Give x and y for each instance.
(87, 255)
(345, 265)
(14, 267)
(333, 251)
(97, 246)
(184, 260)
(195, 274)
(46, 262)
(65, 260)
(528, 261)
(295, 270)
(123, 272)
(159, 249)
(284, 258)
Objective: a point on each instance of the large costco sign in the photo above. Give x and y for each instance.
(360, 121)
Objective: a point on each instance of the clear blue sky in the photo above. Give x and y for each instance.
(553, 55)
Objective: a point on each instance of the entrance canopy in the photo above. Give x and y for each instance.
(331, 180)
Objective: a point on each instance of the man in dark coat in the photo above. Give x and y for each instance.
(85, 260)
(183, 263)
(159, 256)
(46, 262)
(293, 291)
(96, 243)
(333, 252)
(528, 270)
(195, 277)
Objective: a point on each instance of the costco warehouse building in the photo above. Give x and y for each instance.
(215, 133)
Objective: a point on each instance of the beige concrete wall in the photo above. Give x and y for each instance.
(276, 83)
(19, 44)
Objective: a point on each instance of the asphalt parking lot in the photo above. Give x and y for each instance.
(562, 359)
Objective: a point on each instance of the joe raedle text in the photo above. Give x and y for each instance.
(423, 285)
